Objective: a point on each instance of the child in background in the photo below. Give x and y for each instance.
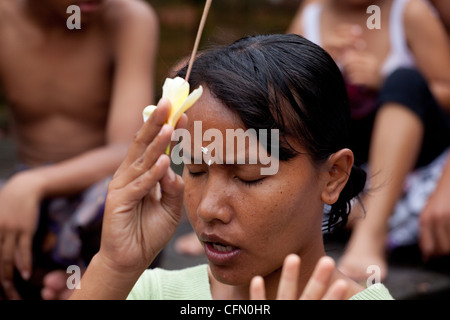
(398, 80)
(74, 98)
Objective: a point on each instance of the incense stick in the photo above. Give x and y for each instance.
(197, 39)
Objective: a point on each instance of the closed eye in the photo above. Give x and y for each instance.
(195, 174)
(249, 182)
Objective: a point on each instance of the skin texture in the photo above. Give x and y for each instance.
(75, 98)
(236, 213)
(144, 207)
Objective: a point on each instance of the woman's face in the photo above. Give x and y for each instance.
(247, 222)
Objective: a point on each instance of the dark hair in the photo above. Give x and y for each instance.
(288, 83)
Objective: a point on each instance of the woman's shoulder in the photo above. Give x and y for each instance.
(185, 284)
(376, 291)
(418, 11)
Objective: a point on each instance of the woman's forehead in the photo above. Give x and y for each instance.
(217, 135)
(213, 113)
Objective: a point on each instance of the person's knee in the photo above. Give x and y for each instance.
(405, 79)
(407, 87)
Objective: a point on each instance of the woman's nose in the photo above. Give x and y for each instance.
(215, 203)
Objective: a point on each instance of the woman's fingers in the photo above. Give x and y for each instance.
(319, 286)
(288, 286)
(257, 289)
(337, 291)
(140, 187)
(24, 254)
(146, 160)
(319, 282)
(172, 187)
(146, 134)
(146, 147)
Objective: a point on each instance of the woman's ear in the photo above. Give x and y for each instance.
(338, 169)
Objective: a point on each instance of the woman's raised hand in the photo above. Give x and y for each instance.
(144, 202)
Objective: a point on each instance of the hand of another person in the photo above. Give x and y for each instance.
(346, 37)
(319, 286)
(144, 201)
(362, 68)
(434, 228)
(19, 213)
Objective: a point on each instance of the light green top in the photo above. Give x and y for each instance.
(193, 284)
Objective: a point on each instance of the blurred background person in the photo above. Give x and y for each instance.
(75, 99)
(398, 81)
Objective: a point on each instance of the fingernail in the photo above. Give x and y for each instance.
(171, 175)
(25, 275)
(163, 129)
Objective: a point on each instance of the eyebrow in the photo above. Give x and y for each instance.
(191, 158)
(197, 161)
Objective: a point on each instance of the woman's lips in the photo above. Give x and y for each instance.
(218, 251)
(219, 254)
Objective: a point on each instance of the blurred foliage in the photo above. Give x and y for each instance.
(228, 21)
